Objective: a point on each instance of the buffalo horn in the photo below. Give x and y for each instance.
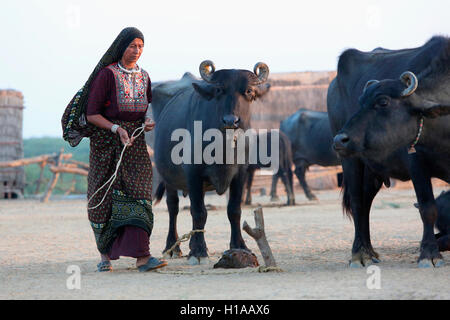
(369, 83)
(207, 69)
(411, 82)
(262, 72)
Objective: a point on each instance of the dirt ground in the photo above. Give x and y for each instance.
(310, 241)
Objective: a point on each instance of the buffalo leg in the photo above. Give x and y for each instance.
(357, 202)
(287, 185)
(300, 171)
(197, 244)
(273, 190)
(234, 211)
(172, 201)
(290, 185)
(429, 249)
(250, 175)
(443, 242)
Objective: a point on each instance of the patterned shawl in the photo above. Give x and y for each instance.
(74, 124)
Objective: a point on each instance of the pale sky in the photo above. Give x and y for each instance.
(50, 47)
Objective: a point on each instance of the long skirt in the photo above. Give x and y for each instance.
(123, 223)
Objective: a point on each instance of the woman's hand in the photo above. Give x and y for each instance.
(149, 124)
(124, 136)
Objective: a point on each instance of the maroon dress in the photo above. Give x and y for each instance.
(121, 97)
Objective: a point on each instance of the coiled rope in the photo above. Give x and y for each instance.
(114, 176)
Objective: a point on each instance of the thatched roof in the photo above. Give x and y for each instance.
(288, 93)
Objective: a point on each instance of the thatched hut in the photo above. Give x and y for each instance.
(288, 93)
(12, 180)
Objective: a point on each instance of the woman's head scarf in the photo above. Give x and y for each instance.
(74, 124)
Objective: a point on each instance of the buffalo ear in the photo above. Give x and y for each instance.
(436, 111)
(204, 89)
(262, 89)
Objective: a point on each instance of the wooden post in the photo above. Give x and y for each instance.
(72, 187)
(9, 194)
(68, 169)
(54, 180)
(259, 235)
(41, 176)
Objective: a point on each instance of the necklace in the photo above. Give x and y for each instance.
(411, 148)
(134, 70)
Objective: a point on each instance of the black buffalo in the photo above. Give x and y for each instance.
(443, 221)
(311, 143)
(284, 171)
(388, 109)
(221, 101)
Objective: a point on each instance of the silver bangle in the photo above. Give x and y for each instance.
(114, 128)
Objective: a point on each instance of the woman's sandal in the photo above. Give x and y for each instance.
(152, 264)
(104, 266)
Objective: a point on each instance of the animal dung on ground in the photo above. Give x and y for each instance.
(237, 258)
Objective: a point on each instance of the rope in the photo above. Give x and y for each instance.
(114, 176)
(184, 237)
(262, 269)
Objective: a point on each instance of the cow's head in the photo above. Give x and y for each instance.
(390, 117)
(231, 92)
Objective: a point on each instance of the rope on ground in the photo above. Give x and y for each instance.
(269, 269)
(184, 237)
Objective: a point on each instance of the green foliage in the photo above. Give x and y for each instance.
(38, 146)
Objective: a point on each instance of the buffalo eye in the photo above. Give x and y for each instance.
(383, 102)
(250, 94)
(218, 91)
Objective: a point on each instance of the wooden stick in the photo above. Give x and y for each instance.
(24, 162)
(54, 180)
(27, 161)
(80, 164)
(72, 187)
(259, 235)
(41, 176)
(68, 169)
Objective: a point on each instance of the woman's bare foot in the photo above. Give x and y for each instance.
(104, 257)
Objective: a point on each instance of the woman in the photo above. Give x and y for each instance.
(117, 101)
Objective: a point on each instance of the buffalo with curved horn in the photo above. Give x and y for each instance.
(395, 127)
(221, 101)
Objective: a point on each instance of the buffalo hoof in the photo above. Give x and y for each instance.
(360, 260)
(311, 197)
(275, 199)
(375, 260)
(195, 261)
(438, 263)
(356, 265)
(429, 263)
(237, 258)
(172, 255)
(425, 264)
(291, 203)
